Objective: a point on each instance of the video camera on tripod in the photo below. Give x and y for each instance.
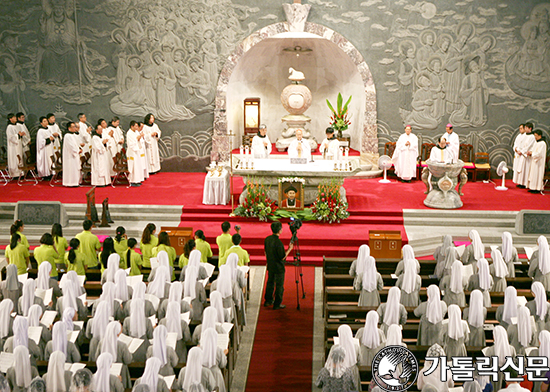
(294, 226)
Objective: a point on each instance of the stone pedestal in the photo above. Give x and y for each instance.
(443, 181)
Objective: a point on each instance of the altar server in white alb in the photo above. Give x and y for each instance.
(441, 152)
(538, 162)
(144, 152)
(118, 135)
(330, 147)
(15, 149)
(55, 132)
(85, 133)
(152, 136)
(24, 131)
(44, 149)
(110, 144)
(453, 143)
(71, 156)
(101, 159)
(521, 170)
(299, 148)
(518, 154)
(261, 145)
(135, 154)
(405, 155)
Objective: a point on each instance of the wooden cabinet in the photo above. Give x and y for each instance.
(385, 244)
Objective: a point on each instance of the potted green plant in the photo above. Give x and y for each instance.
(339, 118)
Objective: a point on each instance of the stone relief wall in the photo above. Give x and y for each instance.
(483, 66)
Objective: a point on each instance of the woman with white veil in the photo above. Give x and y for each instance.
(509, 310)
(45, 282)
(499, 272)
(431, 315)
(392, 312)
(140, 327)
(6, 320)
(453, 286)
(237, 275)
(335, 376)
(353, 353)
(543, 350)
(209, 320)
(35, 313)
(194, 290)
(70, 299)
(174, 324)
(434, 379)
(57, 379)
(358, 265)
(175, 295)
(113, 265)
(164, 261)
(539, 266)
(29, 298)
(96, 327)
(160, 286)
(475, 251)
(12, 288)
(160, 350)
(229, 280)
(194, 260)
(117, 349)
(509, 253)
(408, 253)
(475, 315)
(139, 292)
(369, 282)
(522, 334)
(108, 295)
(21, 373)
(151, 377)
(103, 380)
(450, 258)
(539, 306)
(73, 277)
(214, 358)
(395, 336)
(501, 348)
(371, 338)
(216, 301)
(194, 374)
(409, 282)
(482, 281)
(21, 338)
(455, 333)
(440, 255)
(59, 342)
(123, 292)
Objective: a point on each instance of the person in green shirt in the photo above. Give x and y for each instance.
(133, 258)
(75, 259)
(148, 242)
(60, 243)
(107, 250)
(244, 258)
(164, 244)
(203, 246)
(47, 253)
(18, 254)
(89, 245)
(187, 248)
(18, 228)
(224, 240)
(121, 244)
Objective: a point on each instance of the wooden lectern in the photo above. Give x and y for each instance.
(385, 244)
(178, 237)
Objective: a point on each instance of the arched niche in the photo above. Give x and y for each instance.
(258, 67)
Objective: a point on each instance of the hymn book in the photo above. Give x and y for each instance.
(48, 318)
(153, 299)
(132, 343)
(35, 333)
(45, 295)
(73, 367)
(116, 369)
(133, 280)
(6, 361)
(186, 317)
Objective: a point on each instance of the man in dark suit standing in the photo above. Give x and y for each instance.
(275, 256)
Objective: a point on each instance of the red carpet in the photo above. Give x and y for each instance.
(283, 345)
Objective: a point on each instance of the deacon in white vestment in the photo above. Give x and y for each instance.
(518, 155)
(525, 163)
(538, 163)
(453, 142)
(110, 144)
(101, 159)
(135, 154)
(85, 133)
(261, 145)
(144, 155)
(299, 148)
(406, 155)
(118, 135)
(25, 134)
(56, 133)
(441, 153)
(44, 149)
(15, 148)
(71, 156)
(330, 147)
(152, 135)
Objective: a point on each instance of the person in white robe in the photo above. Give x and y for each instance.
(101, 159)
(453, 142)
(330, 147)
(44, 149)
(261, 145)
(118, 135)
(135, 155)
(145, 157)
(110, 144)
(405, 155)
(15, 147)
(441, 153)
(524, 162)
(85, 133)
(24, 132)
(152, 135)
(538, 163)
(55, 131)
(299, 148)
(352, 349)
(518, 154)
(71, 156)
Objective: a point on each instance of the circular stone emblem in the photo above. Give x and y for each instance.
(394, 368)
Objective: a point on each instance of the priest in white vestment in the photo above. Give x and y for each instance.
(44, 149)
(441, 153)
(525, 163)
(518, 155)
(15, 149)
(152, 135)
(453, 142)
(107, 136)
(85, 133)
(330, 147)
(71, 156)
(118, 135)
(56, 133)
(25, 134)
(538, 163)
(299, 148)
(405, 155)
(101, 159)
(261, 145)
(144, 156)
(135, 154)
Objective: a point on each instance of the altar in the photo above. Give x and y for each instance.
(313, 173)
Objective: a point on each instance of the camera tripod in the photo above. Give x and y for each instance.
(298, 273)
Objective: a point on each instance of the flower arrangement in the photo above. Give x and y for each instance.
(339, 119)
(257, 203)
(329, 207)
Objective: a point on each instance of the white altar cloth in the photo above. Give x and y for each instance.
(283, 167)
(216, 189)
